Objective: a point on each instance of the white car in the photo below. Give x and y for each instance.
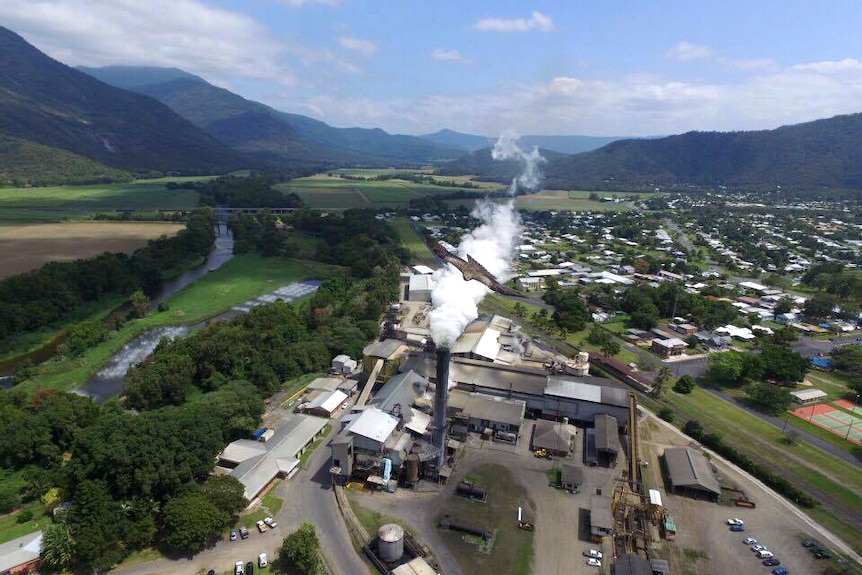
(269, 522)
(735, 521)
(261, 560)
(593, 553)
(750, 541)
(594, 562)
(758, 547)
(239, 568)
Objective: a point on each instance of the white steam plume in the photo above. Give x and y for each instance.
(507, 148)
(491, 244)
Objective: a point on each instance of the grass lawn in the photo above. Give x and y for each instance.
(419, 252)
(512, 549)
(241, 279)
(811, 466)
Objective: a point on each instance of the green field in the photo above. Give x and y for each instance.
(80, 202)
(241, 279)
(419, 252)
(835, 478)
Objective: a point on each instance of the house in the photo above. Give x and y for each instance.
(685, 329)
(712, 340)
(21, 555)
(669, 276)
(668, 347)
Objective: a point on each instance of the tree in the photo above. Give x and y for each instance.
(693, 428)
(659, 382)
(684, 384)
(784, 305)
(140, 303)
(783, 363)
(819, 306)
(727, 368)
(58, 546)
(299, 553)
(667, 414)
(769, 398)
(519, 309)
(848, 358)
(611, 347)
(646, 316)
(191, 520)
(226, 493)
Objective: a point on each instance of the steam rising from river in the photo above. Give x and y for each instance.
(492, 244)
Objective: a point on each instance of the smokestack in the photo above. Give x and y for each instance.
(438, 437)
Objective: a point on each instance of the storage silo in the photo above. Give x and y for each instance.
(390, 542)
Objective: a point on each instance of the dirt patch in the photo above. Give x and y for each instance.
(28, 247)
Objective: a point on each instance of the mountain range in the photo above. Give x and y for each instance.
(48, 103)
(559, 144)
(261, 131)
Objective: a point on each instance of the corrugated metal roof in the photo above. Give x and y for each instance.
(600, 512)
(690, 468)
(573, 390)
(20, 551)
(488, 345)
(508, 411)
(606, 432)
(374, 424)
(385, 349)
(655, 497)
(328, 402)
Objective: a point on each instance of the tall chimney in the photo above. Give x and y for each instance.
(438, 437)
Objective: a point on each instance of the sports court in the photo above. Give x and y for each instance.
(840, 423)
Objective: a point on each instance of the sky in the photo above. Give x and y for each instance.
(591, 67)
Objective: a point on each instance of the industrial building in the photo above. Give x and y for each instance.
(554, 437)
(399, 396)
(691, 474)
(419, 287)
(571, 477)
(343, 364)
(481, 412)
(607, 440)
(256, 464)
(552, 397)
(601, 517)
(326, 403)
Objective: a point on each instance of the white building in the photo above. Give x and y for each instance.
(420, 288)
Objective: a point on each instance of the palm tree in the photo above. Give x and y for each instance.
(57, 545)
(661, 379)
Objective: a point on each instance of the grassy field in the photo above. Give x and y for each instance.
(28, 247)
(419, 252)
(811, 466)
(241, 279)
(561, 200)
(512, 548)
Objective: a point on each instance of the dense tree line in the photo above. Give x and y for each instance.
(648, 304)
(773, 362)
(570, 311)
(133, 480)
(44, 297)
(253, 191)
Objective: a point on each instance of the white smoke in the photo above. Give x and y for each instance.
(492, 244)
(507, 148)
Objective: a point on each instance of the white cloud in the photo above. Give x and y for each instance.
(686, 52)
(213, 42)
(536, 21)
(450, 56)
(638, 105)
(359, 45)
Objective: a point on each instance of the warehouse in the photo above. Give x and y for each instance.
(326, 403)
(553, 437)
(420, 287)
(256, 464)
(398, 398)
(607, 440)
(690, 474)
(579, 398)
(601, 518)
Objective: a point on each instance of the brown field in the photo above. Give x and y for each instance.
(28, 247)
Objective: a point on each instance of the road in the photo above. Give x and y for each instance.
(307, 497)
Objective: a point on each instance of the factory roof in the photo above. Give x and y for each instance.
(655, 497)
(551, 435)
(418, 421)
(402, 389)
(508, 411)
(280, 453)
(571, 474)
(631, 564)
(690, 468)
(416, 566)
(386, 349)
(374, 424)
(422, 270)
(606, 433)
(328, 402)
(600, 512)
(326, 383)
(421, 282)
(582, 391)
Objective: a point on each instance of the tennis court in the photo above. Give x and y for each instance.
(838, 422)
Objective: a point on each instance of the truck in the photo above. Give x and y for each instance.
(261, 526)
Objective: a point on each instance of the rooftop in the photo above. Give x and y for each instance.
(374, 424)
(606, 433)
(690, 468)
(600, 513)
(20, 551)
(508, 411)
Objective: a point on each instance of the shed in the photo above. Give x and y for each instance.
(691, 473)
(552, 436)
(326, 403)
(420, 288)
(806, 396)
(607, 439)
(571, 477)
(344, 364)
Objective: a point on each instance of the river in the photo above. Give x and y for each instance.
(108, 382)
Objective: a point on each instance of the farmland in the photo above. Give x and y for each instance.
(81, 202)
(27, 247)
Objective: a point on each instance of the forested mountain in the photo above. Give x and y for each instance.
(822, 153)
(255, 128)
(47, 102)
(561, 144)
(482, 164)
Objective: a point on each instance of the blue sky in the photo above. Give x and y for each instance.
(620, 68)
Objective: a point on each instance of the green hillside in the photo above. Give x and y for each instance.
(46, 102)
(26, 163)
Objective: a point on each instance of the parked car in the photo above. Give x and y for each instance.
(765, 554)
(750, 541)
(233, 535)
(262, 562)
(243, 532)
(735, 521)
(594, 562)
(249, 568)
(237, 569)
(780, 571)
(593, 553)
(822, 554)
(758, 547)
(771, 562)
(211, 572)
(737, 528)
(261, 526)
(269, 522)
(809, 543)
